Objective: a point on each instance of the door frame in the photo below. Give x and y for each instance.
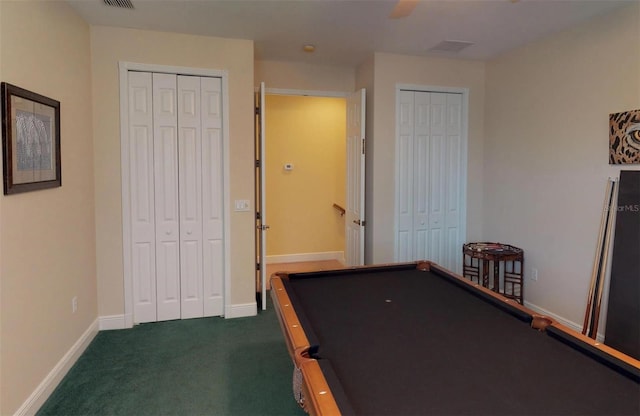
(123, 68)
(300, 93)
(463, 150)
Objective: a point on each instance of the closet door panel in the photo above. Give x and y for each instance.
(437, 176)
(190, 195)
(142, 196)
(421, 154)
(212, 196)
(454, 181)
(405, 177)
(165, 137)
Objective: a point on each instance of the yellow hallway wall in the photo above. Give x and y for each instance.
(308, 132)
(48, 236)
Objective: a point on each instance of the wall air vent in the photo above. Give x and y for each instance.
(449, 46)
(125, 4)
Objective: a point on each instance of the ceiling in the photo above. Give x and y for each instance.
(346, 32)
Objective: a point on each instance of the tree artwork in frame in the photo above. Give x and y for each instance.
(30, 140)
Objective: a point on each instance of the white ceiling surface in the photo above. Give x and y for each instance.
(345, 32)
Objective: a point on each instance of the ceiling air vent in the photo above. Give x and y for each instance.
(125, 4)
(448, 46)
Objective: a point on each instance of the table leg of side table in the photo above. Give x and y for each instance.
(485, 272)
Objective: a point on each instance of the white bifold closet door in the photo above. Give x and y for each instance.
(176, 188)
(429, 177)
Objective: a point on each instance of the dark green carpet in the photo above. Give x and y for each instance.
(208, 366)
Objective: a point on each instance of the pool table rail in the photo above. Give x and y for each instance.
(317, 396)
(541, 322)
(626, 363)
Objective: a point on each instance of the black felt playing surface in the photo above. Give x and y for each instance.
(412, 343)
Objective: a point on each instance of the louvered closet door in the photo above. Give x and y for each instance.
(429, 166)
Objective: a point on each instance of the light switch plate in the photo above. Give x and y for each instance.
(242, 205)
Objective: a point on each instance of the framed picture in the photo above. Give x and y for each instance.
(30, 140)
(624, 137)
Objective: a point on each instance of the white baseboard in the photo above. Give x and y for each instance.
(241, 310)
(576, 327)
(112, 322)
(40, 395)
(294, 258)
(231, 311)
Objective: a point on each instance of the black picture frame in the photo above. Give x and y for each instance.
(30, 140)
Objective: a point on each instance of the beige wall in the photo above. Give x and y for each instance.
(546, 151)
(48, 236)
(308, 132)
(303, 76)
(390, 70)
(109, 46)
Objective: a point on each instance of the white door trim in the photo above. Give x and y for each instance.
(263, 196)
(124, 68)
(463, 150)
(311, 93)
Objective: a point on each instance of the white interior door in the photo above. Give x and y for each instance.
(429, 175)
(212, 197)
(174, 191)
(354, 216)
(141, 213)
(190, 179)
(165, 162)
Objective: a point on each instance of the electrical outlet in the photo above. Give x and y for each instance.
(74, 304)
(534, 274)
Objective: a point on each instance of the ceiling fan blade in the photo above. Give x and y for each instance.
(403, 8)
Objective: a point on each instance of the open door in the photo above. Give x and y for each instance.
(261, 202)
(354, 217)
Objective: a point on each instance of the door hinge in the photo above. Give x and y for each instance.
(257, 111)
(258, 266)
(363, 223)
(363, 145)
(258, 216)
(257, 163)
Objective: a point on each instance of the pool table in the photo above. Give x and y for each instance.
(416, 339)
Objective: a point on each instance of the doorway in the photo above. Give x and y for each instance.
(344, 122)
(305, 172)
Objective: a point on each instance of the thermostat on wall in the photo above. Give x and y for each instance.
(288, 166)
